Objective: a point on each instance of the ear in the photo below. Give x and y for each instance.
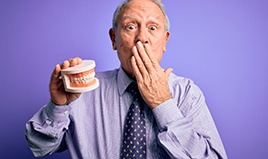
(166, 40)
(113, 37)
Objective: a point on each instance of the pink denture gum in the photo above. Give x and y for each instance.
(80, 78)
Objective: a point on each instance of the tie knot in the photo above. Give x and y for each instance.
(133, 89)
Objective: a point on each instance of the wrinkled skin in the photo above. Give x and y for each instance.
(140, 40)
(57, 92)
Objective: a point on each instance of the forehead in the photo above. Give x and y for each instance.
(141, 8)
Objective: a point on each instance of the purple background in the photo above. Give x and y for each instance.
(221, 45)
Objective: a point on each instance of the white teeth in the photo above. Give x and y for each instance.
(84, 79)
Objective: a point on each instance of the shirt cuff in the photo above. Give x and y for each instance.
(166, 113)
(57, 113)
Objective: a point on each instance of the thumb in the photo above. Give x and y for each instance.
(55, 74)
(168, 71)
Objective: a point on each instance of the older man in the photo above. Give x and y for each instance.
(176, 121)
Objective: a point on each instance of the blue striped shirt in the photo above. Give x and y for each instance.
(92, 126)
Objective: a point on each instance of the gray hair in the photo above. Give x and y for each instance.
(124, 3)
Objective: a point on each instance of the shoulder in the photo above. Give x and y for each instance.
(107, 74)
(181, 82)
(186, 93)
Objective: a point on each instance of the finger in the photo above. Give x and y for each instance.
(147, 50)
(139, 63)
(71, 62)
(154, 62)
(144, 57)
(136, 70)
(79, 60)
(56, 72)
(75, 61)
(65, 64)
(168, 71)
(55, 76)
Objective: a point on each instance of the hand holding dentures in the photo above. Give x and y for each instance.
(70, 79)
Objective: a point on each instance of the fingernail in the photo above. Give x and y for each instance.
(139, 43)
(134, 48)
(146, 45)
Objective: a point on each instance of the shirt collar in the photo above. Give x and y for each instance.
(123, 81)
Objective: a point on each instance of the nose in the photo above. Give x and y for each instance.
(142, 35)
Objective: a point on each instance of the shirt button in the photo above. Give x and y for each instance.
(65, 113)
(48, 121)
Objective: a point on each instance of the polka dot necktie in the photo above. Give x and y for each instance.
(134, 136)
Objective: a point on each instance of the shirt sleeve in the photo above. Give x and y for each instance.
(45, 130)
(186, 127)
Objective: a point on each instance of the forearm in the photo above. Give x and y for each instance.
(191, 136)
(45, 130)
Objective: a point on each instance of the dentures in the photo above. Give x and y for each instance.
(83, 79)
(80, 78)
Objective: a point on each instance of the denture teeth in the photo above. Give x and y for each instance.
(84, 79)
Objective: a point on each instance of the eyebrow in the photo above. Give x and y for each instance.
(128, 16)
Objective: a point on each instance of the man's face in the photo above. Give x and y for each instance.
(143, 21)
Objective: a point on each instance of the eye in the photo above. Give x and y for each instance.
(153, 27)
(131, 27)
